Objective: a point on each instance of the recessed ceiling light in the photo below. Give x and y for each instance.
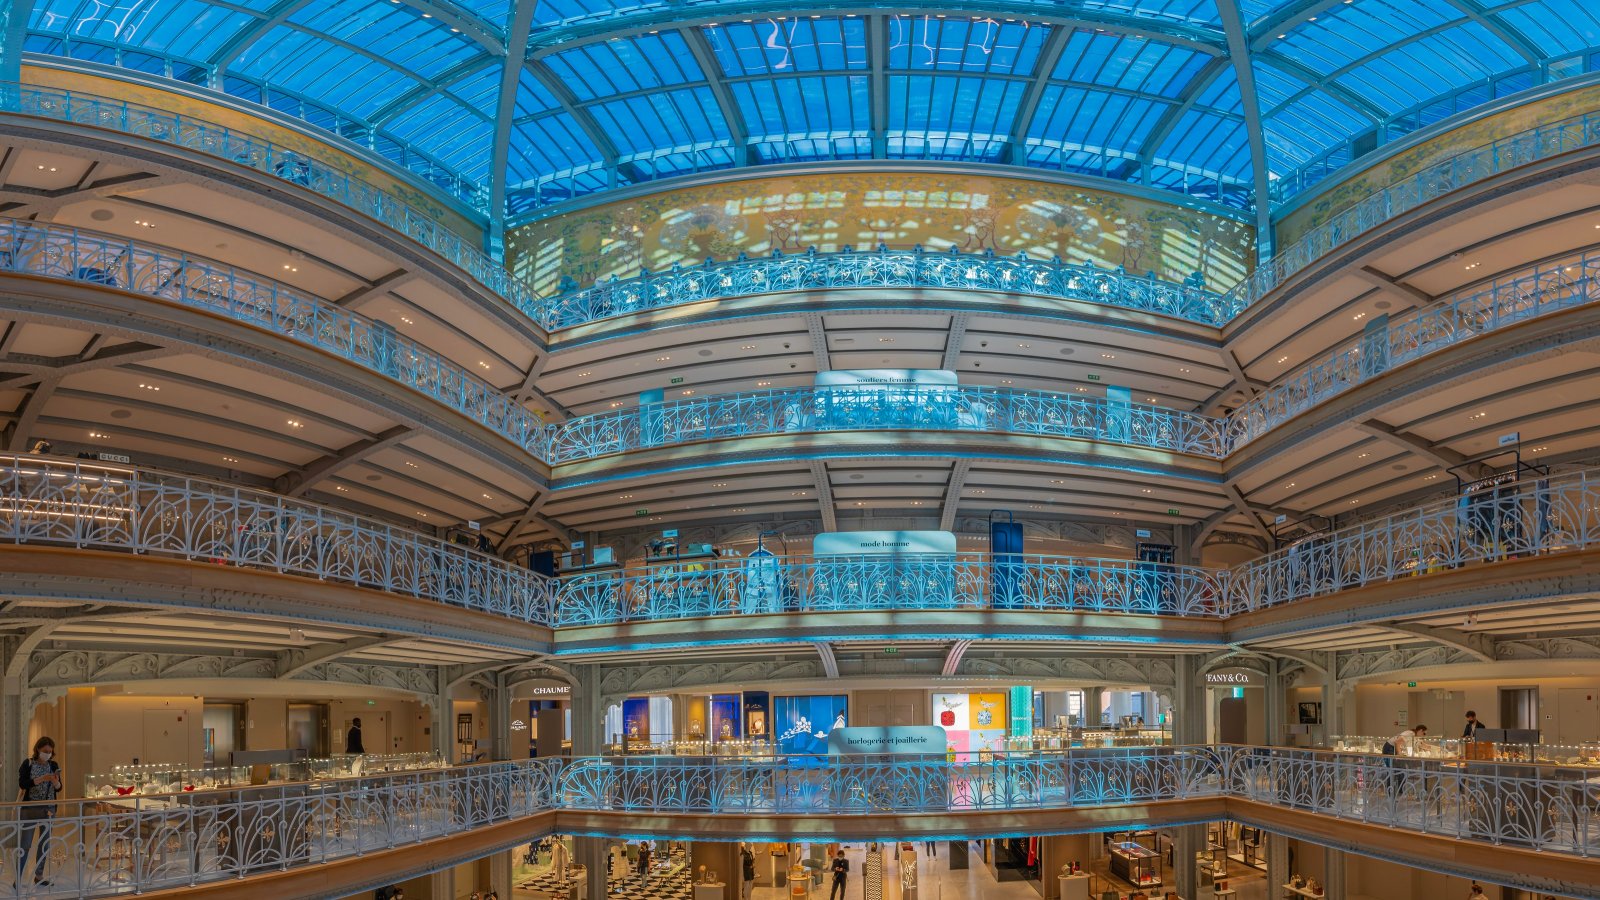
(99, 435)
(150, 387)
(1359, 316)
(1284, 358)
(295, 423)
(584, 374)
(407, 321)
(1005, 381)
(487, 497)
(748, 347)
(1108, 356)
(341, 489)
(762, 383)
(885, 340)
(410, 464)
(662, 358)
(229, 459)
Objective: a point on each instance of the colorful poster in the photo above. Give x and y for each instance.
(987, 728)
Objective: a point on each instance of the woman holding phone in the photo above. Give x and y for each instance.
(39, 781)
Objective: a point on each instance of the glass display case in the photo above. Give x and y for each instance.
(1578, 755)
(358, 765)
(1132, 861)
(155, 778)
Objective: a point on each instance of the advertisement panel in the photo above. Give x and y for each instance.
(887, 740)
(802, 724)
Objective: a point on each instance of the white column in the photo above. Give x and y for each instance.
(1334, 862)
(588, 712)
(1277, 704)
(500, 868)
(498, 700)
(1277, 862)
(13, 714)
(590, 852)
(444, 739)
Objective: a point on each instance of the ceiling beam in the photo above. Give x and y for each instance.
(1244, 70)
(1249, 512)
(1441, 456)
(819, 475)
(296, 660)
(878, 85)
(952, 493)
(1240, 379)
(819, 342)
(738, 131)
(1495, 26)
(954, 338)
(1405, 293)
(505, 111)
(21, 372)
(528, 517)
(235, 46)
(372, 290)
(1480, 646)
(1049, 56)
(26, 415)
(569, 104)
(1175, 113)
(528, 389)
(830, 663)
(299, 482)
(464, 69)
(953, 657)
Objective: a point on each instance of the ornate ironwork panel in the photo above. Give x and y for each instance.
(50, 501)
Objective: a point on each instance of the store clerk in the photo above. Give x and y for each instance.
(1405, 743)
(1473, 725)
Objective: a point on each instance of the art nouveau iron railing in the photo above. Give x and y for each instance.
(800, 584)
(827, 409)
(53, 501)
(106, 846)
(1512, 521)
(884, 268)
(1430, 183)
(1543, 517)
(88, 257)
(397, 213)
(1547, 808)
(1514, 298)
(111, 845)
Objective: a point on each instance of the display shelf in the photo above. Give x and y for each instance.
(1294, 893)
(1135, 863)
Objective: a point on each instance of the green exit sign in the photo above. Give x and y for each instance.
(641, 512)
(678, 380)
(1174, 512)
(891, 650)
(1094, 377)
(1411, 684)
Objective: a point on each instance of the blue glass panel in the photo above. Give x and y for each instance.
(661, 121)
(1127, 62)
(1083, 118)
(1555, 26)
(812, 107)
(550, 143)
(928, 43)
(307, 64)
(944, 110)
(554, 11)
(793, 44)
(629, 64)
(185, 28)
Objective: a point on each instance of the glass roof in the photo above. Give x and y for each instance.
(613, 92)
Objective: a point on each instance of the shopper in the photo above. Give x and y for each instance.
(841, 871)
(352, 740)
(932, 847)
(644, 862)
(1405, 743)
(39, 780)
(747, 865)
(1470, 732)
(1476, 892)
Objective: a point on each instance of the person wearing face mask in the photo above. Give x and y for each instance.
(39, 781)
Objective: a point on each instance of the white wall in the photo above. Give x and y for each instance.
(1569, 707)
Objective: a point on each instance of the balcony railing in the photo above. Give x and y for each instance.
(1512, 299)
(830, 409)
(1513, 521)
(798, 584)
(1443, 177)
(87, 257)
(884, 268)
(262, 155)
(1545, 808)
(115, 845)
(50, 501)
(94, 506)
(107, 846)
